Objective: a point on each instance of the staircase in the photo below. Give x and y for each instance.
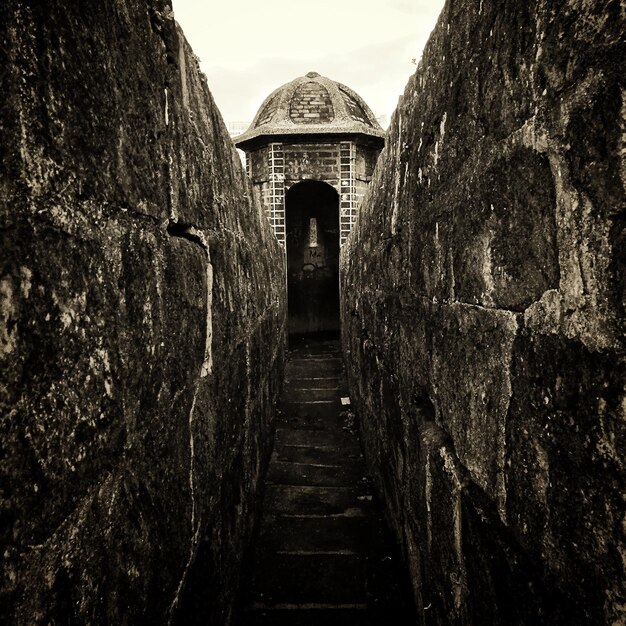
(322, 555)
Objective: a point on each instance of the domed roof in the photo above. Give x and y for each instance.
(311, 105)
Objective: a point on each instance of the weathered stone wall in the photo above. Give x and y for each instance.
(142, 323)
(482, 313)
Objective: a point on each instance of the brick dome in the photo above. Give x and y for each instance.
(311, 105)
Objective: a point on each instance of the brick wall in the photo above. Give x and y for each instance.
(347, 166)
(313, 161)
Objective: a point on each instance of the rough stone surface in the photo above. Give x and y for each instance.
(141, 323)
(483, 309)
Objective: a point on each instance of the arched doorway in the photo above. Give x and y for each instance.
(312, 213)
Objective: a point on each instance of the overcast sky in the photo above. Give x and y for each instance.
(249, 48)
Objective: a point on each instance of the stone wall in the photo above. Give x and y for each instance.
(142, 323)
(482, 313)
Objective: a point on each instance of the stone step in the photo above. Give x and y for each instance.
(311, 395)
(316, 455)
(290, 473)
(305, 368)
(292, 500)
(313, 350)
(313, 382)
(310, 615)
(311, 421)
(340, 440)
(310, 578)
(350, 532)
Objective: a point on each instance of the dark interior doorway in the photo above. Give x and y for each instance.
(312, 210)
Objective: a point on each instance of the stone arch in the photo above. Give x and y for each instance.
(312, 245)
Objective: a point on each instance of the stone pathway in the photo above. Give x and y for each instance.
(322, 555)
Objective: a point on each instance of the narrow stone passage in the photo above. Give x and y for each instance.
(322, 554)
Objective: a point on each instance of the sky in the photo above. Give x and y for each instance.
(249, 48)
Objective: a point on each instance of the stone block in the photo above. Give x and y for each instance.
(482, 292)
(140, 286)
